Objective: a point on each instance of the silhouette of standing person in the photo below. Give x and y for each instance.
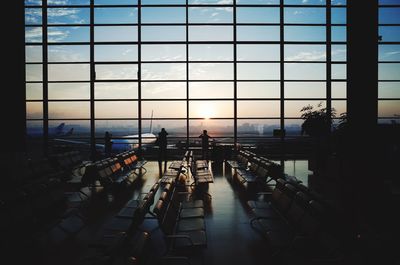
(204, 144)
(162, 151)
(107, 144)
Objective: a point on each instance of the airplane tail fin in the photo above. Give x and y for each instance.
(70, 132)
(59, 129)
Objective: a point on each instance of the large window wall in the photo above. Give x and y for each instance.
(389, 62)
(238, 68)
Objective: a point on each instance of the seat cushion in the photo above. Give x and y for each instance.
(191, 213)
(190, 224)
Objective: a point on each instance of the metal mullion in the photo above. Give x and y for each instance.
(282, 69)
(92, 85)
(139, 74)
(45, 78)
(328, 63)
(187, 75)
(235, 136)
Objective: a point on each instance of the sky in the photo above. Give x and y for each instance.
(258, 69)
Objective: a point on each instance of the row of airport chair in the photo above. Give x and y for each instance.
(35, 200)
(178, 167)
(202, 175)
(254, 173)
(122, 239)
(296, 223)
(181, 219)
(114, 173)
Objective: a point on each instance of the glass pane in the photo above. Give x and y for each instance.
(116, 2)
(293, 107)
(389, 90)
(339, 53)
(305, 52)
(170, 71)
(210, 52)
(258, 108)
(210, 15)
(258, 71)
(258, 33)
(257, 15)
(164, 90)
(33, 16)
(305, 71)
(211, 90)
(69, 53)
(258, 90)
(211, 71)
(121, 53)
(215, 128)
(258, 52)
(163, 15)
(34, 110)
(305, 15)
(338, 15)
(34, 128)
(116, 33)
(163, 52)
(34, 91)
(164, 109)
(163, 33)
(211, 109)
(115, 15)
(117, 129)
(256, 128)
(68, 34)
(69, 91)
(33, 54)
(116, 109)
(339, 89)
(68, 16)
(338, 33)
(79, 128)
(115, 71)
(305, 33)
(305, 89)
(389, 52)
(304, 2)
(34, 72)
(339, 106)
(174, 128)
(33, 2)
(116, 90)
(389, 15)
(68, 2)
(388, 108)
(69, 110)
(293, 127)
(69, 72)
(210, 33)
(33, 34)
(339, 71)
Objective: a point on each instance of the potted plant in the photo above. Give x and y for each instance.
(317, 124)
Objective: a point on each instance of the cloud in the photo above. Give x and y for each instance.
(307, 56)
(387, 54)
(71, 14)
(33, 34)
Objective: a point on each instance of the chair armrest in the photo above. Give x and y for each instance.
(174, 259)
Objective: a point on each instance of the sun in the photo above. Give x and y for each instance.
(206, 111)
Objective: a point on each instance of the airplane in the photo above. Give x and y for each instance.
(53, 132)
(123, 143)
